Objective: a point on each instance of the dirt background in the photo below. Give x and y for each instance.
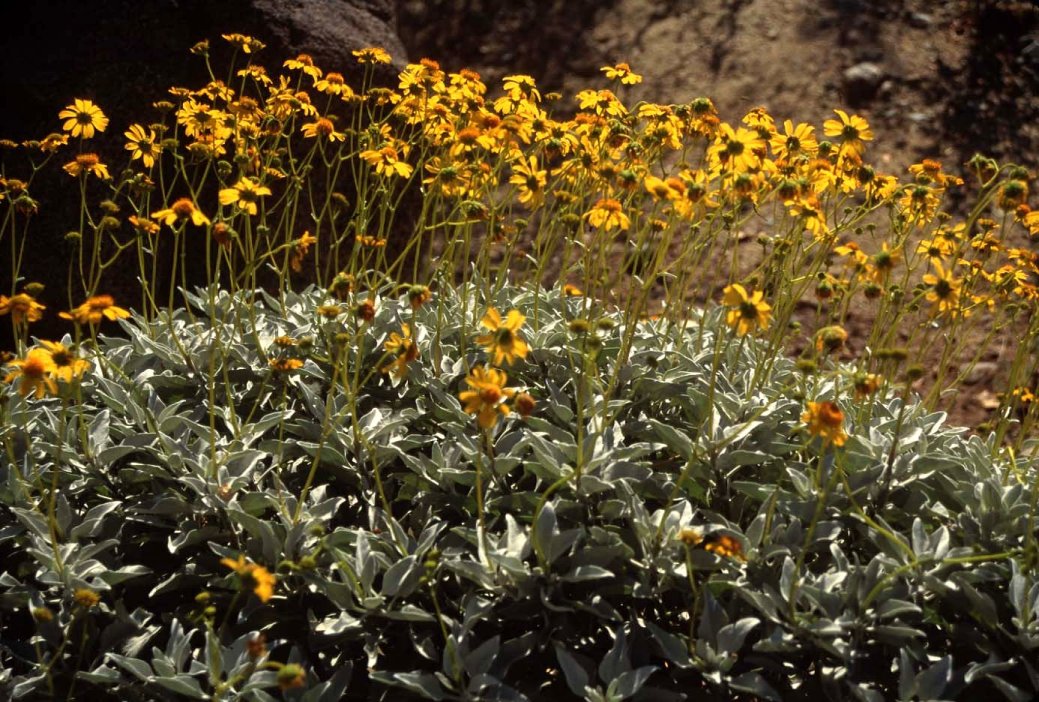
(940, 80)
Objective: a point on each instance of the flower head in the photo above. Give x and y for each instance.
(22, 307)
(608, 214)
(486, 395)
(372, 54)
(748, 311)
(142, 144)
(96, 307)
(67, 365)
(83, 118)
(35, 374)
(181, 209)
(255, 577)
(85, 164)
(244, 194)
(825, 420)
(623, 73)
(403, 349)
(504, 342)
(852, 131)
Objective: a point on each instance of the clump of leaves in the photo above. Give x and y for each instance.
(207, 520)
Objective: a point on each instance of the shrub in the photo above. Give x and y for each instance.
(525, 468)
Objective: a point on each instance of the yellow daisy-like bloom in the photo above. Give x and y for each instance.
(256, 577)
(83, 118)
(608, 214)
(67, 366)
(794, 141)
(825, 420)
(35, 374)
(852, 130)
(85, 164)
(748, 311)
(372, 54)
(486, 397)
(334, 84)
(22, 307)
(244, 42)
(404, 350)
(530, 180)
(945, 290)
(96, 307)
(386, 162)
(322, 127)
(623, 73)
(183, 208)
(504, 342)
(244, 194)
(737, 149)
(305, 63)
(142, 144)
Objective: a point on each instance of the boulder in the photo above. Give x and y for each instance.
(124, 55)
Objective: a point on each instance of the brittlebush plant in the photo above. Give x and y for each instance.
(455, 204)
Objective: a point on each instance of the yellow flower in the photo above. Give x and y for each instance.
(285, 365)
(504, 343)
(322, 127)
(530, 180)
(571, 290)
(87, 163)
(67, 366)
(852, 130)
(256, 577)
(866, 384)
(300, 250)
(485, 399)
(183, 208)
(22, 307)
(945, 290)
(142, 144)
(725, 545)
(404, 350)
(825, 420)
(244, 194)
(795, 141)
(748, 311)
(246, 43)
(85, 598)
(305, 63)
(737, 149)
(372, 54)
(386, 162)
(334, 84)
(83, 118)
(96, 307)
(623, 73)
(35, 372)
(607, 214)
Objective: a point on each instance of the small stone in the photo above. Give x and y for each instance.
(982, 372)
(921, 20)
(861, 82)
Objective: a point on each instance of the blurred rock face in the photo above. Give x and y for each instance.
(124, 55)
